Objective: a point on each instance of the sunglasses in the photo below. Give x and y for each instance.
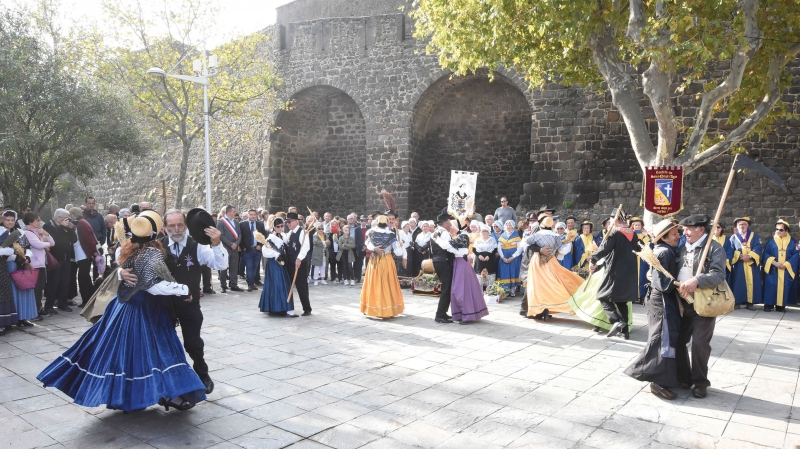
(780, 230)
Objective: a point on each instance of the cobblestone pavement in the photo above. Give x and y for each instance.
(338, 379)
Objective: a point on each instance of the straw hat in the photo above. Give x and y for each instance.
(662, 228)
(146, 227)
(546, 222)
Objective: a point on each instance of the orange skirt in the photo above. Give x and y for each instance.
(550, 286)
(381, 295)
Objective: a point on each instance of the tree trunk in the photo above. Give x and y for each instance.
(182, 175)
(650, 219)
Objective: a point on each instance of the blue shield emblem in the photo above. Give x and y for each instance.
(663, 192)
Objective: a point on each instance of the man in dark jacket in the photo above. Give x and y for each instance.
(251, 249)
(618, 289)
(95, 219)
(63, 232)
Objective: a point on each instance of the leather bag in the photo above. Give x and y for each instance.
(51, 261)
(714, 302)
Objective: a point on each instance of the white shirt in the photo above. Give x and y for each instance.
(79, 253)
(304, 242)
(444, 240)
(214, 257)
(267, 250)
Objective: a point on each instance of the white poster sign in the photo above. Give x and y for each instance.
(462, 192)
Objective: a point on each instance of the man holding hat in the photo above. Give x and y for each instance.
(698, 329)
(656, 363)
(297, 247)
(746, 264)
(443, 255)
(192, 244)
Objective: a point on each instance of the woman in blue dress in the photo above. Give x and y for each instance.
(509, 265)
(131, 358)
(24, 300)
(276, 277)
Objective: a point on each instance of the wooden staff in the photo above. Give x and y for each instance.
(707, 246)
(305, 238)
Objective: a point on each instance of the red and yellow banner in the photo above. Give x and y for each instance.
(663, 190)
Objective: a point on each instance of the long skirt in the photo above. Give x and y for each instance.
(128, 360)
(586, 306)
(8, 310)
(508, 273)
(381, 295)
(24, 300)
(466, 294)
(656, 363)
(549, 286)
(276, 289)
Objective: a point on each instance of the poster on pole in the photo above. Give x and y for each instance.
(663, 190)
(462, 192)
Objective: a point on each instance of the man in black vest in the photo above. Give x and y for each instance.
(443, 255)
(296, 250)
(186, 259)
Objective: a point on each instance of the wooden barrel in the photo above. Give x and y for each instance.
(427, 266)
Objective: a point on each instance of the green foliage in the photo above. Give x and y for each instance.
(53, 122)
(568, 203)
(574, 41)
(243, 87)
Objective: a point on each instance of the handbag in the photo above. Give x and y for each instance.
(714, 301)
(25, 279)
(51, 261)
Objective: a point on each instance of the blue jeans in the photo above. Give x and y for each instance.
(251, 257)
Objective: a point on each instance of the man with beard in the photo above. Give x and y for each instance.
(656, 363)
(186, 258)
(443, 255)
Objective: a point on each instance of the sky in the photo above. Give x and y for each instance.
(235, 17)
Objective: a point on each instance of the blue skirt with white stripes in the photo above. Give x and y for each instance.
(128, 360)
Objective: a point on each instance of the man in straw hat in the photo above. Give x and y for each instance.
(780, 268)
(746, 264)
(694, 327)
(656, 363)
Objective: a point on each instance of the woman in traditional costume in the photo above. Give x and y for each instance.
(276, 277)
(565, 252)
(584, 247)
(781, 261)
(24, 300)
(466, 296)
(8, 310)
(484, 251)
(404, 236)
(421, 247)
(510, 250)
(131, 358)
(381, 295)
(549, 284)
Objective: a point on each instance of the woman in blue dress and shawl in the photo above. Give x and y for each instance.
(131, 358)
(510, 250)
(276, 277)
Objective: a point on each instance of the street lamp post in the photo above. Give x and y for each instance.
(203, 79)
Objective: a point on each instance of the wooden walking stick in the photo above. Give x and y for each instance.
(305, 238)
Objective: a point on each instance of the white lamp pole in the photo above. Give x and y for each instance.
(203, 79)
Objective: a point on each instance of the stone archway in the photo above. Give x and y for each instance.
(468, 123)
(318, 154)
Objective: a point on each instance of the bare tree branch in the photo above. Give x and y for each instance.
(636, 21)
(732, 83)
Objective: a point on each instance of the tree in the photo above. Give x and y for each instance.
(673, 44)
(173, 108)
(53, 123)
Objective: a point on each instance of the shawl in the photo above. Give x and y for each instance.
(461, 241)
(149, 267)
(423, 238)
(383, 239)
(484, 246)
(545, 239)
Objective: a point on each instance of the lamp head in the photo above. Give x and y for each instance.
(157, 71)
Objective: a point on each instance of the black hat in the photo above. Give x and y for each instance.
(571, 217)
(197, 220)
(532, 215)
(721, 224)
(546, 209)
(737, 220)
(363, 217)
(444, 217)
(696, 220)
(605, 220)
(135, 208)
(277, 222)
(292, 216)
(389, 212)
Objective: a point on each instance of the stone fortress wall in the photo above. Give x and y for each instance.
(370, 110)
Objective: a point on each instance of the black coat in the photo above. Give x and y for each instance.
(358, 250)
(64, 239)
(247, 235)
(620, 282)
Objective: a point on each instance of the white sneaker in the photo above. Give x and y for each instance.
(323, 282)
(352, 282)
(317, 282)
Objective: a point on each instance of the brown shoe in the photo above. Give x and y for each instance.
(700, 392)
(686, 386)
(250, 288)
(664, 392)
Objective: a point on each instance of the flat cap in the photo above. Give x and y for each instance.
(696, 220)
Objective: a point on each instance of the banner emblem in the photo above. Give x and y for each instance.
(663, 190)
(462, 192)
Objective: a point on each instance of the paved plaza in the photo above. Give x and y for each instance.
(338, 379)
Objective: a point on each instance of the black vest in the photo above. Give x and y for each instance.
(437, 253)
(293, 248)
(186, 269)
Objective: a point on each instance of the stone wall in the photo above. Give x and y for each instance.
(305, 10)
